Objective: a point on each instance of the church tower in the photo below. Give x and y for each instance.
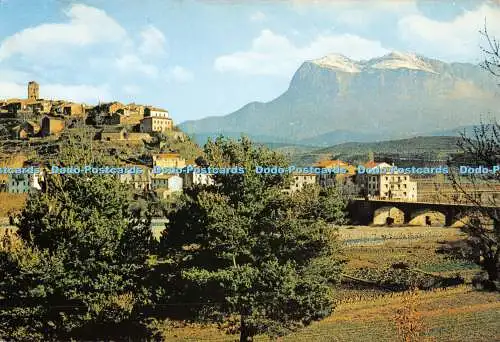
(33, 91)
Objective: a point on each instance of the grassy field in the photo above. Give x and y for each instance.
(366, 312)
(454, 314)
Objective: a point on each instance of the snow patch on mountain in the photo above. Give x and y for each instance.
(394, 60)
(399, 60)
(338, 62)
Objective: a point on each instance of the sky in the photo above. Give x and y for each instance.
(203, 58)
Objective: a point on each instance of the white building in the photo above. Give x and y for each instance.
(175, 184)
(299, 180)
(397, 187)
(156, 113)
(166, 184)
(192, 179)
(379, 182)
(23, 183)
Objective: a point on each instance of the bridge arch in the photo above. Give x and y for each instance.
(426, 217)
(388, 215)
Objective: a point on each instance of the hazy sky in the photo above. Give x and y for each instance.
(201, 58)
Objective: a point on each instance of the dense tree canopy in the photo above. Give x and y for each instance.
(244, 248)
(79, 269)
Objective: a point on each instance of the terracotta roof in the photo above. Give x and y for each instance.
(370, 164)
(330, 163)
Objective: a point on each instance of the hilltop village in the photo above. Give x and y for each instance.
(146, 137)
(32, 126)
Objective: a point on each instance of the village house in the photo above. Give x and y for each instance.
(40, 106)
(331, 179)
(110, 107)
(156, 124)
(12, 106)
(19, 183)
(26, 130)
(166, 184)
(125, 116)
(14, 161)
(118, 133)
(74, 110)
(192, 179)
(386, 185)
(51, 125)
(171, 159)
(156, 112)
(398, 187)
(140, 182)
(140, 109)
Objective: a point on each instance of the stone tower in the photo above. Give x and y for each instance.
(33, 91)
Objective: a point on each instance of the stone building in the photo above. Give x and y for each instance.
(51, 125)
(118, 133)
(74, 110)
(25, 130)
(33, 91)
(152, 124)
(168, 160)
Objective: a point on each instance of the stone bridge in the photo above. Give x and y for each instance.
(387, 212)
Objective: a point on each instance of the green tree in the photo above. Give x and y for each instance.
(242, 248)
(81, 268)
(314, 202)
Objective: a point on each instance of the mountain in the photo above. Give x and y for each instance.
(335, 99)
